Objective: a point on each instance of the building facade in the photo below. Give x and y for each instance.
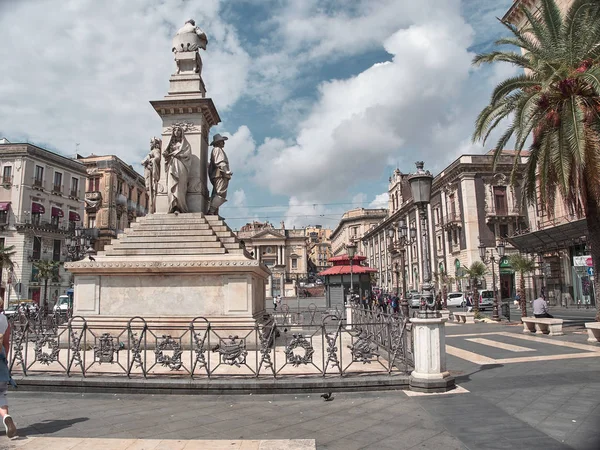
(558, 242)
(319, 248)
(41, 203)
(115, 195)
(283, 251)
(469, 202)
(353, 226)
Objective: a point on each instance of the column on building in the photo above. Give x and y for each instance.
(419, 247)
(470, 216)
(433, 267)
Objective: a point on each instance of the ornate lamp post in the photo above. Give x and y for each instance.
(488, 257)
(420, 186)
(78, 245)
(351, 249)
(405, 239)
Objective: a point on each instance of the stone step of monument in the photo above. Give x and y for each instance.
(166, 251)
(142, 225)
(229, 240)
(169, 232)
(165, 227)
(179, 235)
(167, 244)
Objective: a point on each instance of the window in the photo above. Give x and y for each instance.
(54, 220)
(39, 176)
(56, 250)
(91, 222)
(354, 231)
(57, 182)
(37, 248)
(119, 187)
(74, 187)
(503, 230)
(7, 175)
(500, 200)
(4, 217)
(294, 263)
(439, 243)
(94, 184)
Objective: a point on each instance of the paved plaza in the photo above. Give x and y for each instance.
(515, 391)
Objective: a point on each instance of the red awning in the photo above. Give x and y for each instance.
(57, 212)
(37, 208)
(345, 270)
(4, 206)
(74, 217)
(346, 259)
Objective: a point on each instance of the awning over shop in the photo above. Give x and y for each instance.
(560, 236)
(37, 208)
(4, 206)
(345, 270)
(74, 217)
(57, 212)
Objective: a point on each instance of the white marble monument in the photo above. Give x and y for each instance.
(178, 262)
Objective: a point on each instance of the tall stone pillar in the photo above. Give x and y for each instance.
(186, 106)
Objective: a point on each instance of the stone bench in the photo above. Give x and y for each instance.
(464, 317)
(593, 329)
(553, 327)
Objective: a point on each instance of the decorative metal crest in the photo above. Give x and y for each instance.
(105, 352)
(165, 344)
(299, 341)
(233, 352)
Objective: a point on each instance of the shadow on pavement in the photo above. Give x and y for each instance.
(48, 427)
(467, 377)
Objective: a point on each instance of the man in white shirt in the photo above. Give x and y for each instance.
(540, 309)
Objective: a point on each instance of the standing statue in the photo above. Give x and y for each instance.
(189, 38)
(151, 165)
(177, 155)
(219, 174)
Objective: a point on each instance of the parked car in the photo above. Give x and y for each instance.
(456, 299)
(486, 299)
(11, 311)
(63, 304)
(415, 300)
(409, 294)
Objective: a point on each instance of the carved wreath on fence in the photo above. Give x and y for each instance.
(165, 344)
(295, 359)
(363, 350)
(51, 341)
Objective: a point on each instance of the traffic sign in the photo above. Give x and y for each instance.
(590, 271)
(589, 262)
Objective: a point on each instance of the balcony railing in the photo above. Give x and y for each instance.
(7, 180)
(74, 193)
(57, 188)
(38, 183)
(452, 220)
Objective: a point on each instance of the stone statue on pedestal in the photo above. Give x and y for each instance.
(219, 174)
(177, 155)
(151, 165)
(189, 38)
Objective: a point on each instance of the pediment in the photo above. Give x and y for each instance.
(268, 234)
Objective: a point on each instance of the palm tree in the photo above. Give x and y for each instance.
(46, 271)
(555, 105)
(476, 272)
(6, 255)
(523, 265)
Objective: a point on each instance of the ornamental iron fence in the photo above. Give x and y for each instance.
(311, 343)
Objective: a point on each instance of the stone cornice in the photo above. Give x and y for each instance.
(192, 105)
(33, 151)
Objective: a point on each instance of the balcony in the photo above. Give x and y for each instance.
(57, 189)
(93, 200)
(7, 181)
(502, 214)
(451, 221)
(74, 193)
(37, 183)
(34, 222)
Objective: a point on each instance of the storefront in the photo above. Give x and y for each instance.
(583, 281)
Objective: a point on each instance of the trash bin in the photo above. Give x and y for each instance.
(505, 310)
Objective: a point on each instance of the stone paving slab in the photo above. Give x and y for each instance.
(46, 443)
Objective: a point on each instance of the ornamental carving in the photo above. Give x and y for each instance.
(156, 264)
(232, 351)
(363, 350)
(105, 351)
(304, 356)
(49, 340)
(167, 343)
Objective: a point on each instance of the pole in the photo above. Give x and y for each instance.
(426, 286)
(405, 309)
(351, 280)
(495, 315)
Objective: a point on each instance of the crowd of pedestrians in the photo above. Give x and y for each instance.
(379, 301)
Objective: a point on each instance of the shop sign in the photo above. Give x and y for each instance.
(583, 261)
(504, 263)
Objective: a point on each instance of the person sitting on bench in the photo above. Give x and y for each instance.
(540, 309)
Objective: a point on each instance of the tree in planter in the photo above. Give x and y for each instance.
(557, 104)
(6, 262)
(476, 272)
(46, 270)
(523, 265)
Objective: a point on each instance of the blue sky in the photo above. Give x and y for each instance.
(322, 100)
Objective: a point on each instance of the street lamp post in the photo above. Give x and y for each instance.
(351, 249)
(420, 186)
(404, 240)
(78, 245)
(488, 257)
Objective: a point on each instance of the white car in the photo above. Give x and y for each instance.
(456, 299)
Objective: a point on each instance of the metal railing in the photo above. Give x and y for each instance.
(318, 345)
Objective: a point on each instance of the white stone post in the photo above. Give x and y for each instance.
(430, 374)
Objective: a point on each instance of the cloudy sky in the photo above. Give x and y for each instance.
(321, 99)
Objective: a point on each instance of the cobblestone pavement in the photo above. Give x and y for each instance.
(516, 391)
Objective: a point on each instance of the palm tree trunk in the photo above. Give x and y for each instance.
(445, 295)
(45, 306)
(523, 296)
(475, 295)
(593, 240)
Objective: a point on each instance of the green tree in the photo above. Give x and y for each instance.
(524, 266)
(46, 270)
(476, 272)
(554, 107)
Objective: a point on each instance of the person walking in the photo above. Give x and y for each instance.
(5, 378)
(274, 303)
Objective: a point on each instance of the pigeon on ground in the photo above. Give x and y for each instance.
(328, 397)
(91, 258)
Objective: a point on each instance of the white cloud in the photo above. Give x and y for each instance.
(380, 201)
(84, 72)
